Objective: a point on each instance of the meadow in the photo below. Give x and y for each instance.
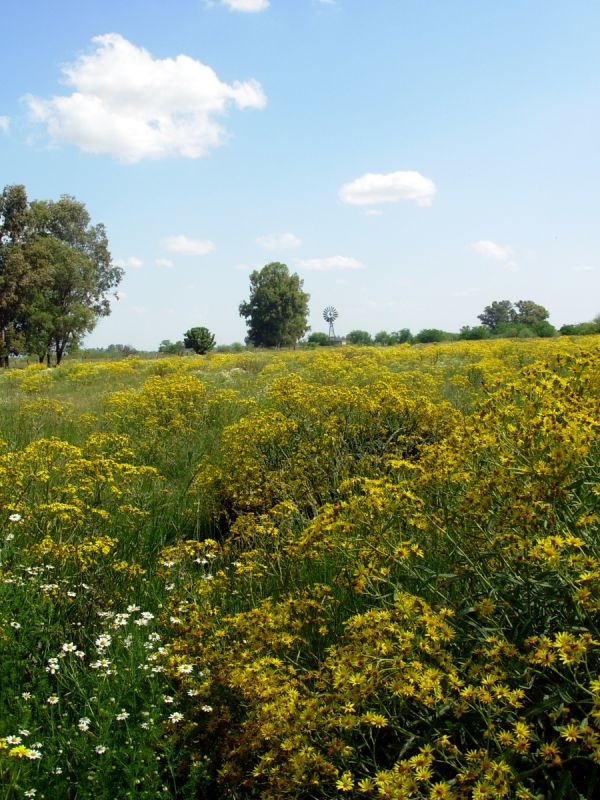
(342, 572)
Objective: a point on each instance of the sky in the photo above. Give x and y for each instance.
(411, 160)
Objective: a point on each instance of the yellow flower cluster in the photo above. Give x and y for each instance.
(407, 587)
(368, 572)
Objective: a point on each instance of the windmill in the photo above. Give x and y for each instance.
(330, 315)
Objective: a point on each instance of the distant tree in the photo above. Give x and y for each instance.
(384, 338)
(403, 336)
(478, 332)
(579, 329)
(121, 350)
(277, 311)
(171, 348)
(529, 313)
(428, 335)
(199, 339)
(359, 337)
(544, 329)
(514, 330)
(234, 347)
(498, 313)
(319, 338)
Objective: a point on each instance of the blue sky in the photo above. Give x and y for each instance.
(412, 161)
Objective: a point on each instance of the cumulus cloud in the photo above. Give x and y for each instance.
(330, 263)
(4, 123)
(279, 241)
(188, 247)
(391, 187)
(248, 6)
(132, 262)
(132, 106)
(164, 263)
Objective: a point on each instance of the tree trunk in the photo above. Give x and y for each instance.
(3, 349)
(60, 349)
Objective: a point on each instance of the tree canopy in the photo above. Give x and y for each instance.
(498, 312)
(199, 339)
(359, 337)
(502, 313)
(276, 313)
(56, 274)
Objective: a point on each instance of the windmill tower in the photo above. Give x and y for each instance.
(330, 315)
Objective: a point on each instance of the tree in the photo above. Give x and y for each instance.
(170, 348)
(359, 337)
(56, 274)
(402, 336)
(384, 338)
(319, 338)
(478, 332)
(200, 340)
(579, 329)
(428, 335)
(498, 313)
(529, 313)
(18, 280)
(276, 313)
(121, 350)
(80, 275)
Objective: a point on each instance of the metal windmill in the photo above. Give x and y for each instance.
(330, 315)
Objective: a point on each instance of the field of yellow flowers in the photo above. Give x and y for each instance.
(345, 572)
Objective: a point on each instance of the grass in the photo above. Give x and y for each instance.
(362, 572)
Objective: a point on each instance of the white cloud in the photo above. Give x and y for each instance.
(188, 247)
(4, 123)
(330, 263)
(164, 263)
(132, 262)
(127, 104)
(374, 188)
(279, 241)
(502, 253)
(246, 5)
(497, 252)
